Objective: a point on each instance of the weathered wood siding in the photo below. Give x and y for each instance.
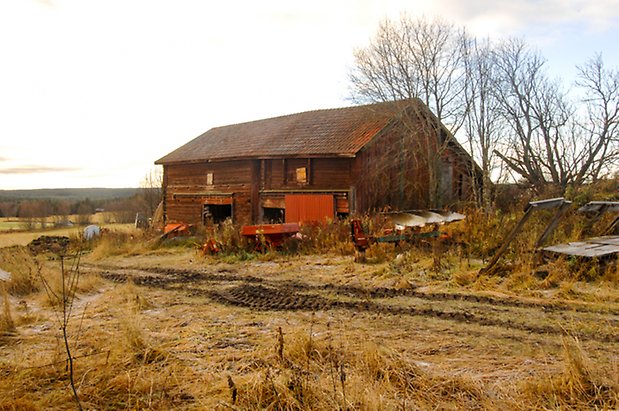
(393, 171)
(333, 173)
(187, 189)
(388, 174)
(322, 173)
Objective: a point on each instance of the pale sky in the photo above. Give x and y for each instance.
(92, 92)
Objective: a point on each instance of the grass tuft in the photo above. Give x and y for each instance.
(581, 385)
(7, 325)
(22, 266)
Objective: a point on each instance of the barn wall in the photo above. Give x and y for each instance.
(187, 189)
(393, 171)
(334, 173)
(323, 173)
(390, 172)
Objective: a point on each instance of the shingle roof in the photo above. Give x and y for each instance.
(321, 133)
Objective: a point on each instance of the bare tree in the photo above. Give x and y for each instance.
(32, 210)
(483, 125)
(600, 151)
(84, 212)
(414, 58)
(417, 59)
(500, 95)
(537, 113)
(151, 190)
(552, 145)
(62, 211)
(9, 208)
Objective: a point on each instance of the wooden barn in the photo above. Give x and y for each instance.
(317, 164)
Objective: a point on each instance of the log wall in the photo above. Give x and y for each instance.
(187, 189)
(393, 171)
(322, 173)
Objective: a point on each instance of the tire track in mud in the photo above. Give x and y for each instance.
(382, 292)
(259, 294)
(282, 299)
(167, 277)
(178, 277)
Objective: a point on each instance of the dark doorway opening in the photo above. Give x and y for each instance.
(216, 213)
(273, 215)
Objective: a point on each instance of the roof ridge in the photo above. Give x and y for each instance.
(332, 131)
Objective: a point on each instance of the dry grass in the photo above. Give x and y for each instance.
(580, 385)
(170, 345)
(18, 261)
(118, 242)
(7, 325)
(142, 347)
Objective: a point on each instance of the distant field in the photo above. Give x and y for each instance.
(24, 237)
(13, 230)
(10, 224)
(8, 239)
(19, 224)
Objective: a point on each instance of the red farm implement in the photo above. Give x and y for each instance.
(269, 235)
(177, 230)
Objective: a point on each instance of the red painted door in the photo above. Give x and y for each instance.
(309, 207)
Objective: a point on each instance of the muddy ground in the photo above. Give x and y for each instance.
(215, 319)
(264, 291)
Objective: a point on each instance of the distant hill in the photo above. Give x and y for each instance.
(72, 194)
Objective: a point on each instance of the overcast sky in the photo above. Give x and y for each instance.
(92, 92)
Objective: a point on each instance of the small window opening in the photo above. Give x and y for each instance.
(209, 179)
(302, 175)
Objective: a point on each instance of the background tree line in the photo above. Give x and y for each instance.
(76, 209)
(498, 98)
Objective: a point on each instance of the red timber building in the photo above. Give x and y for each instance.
(317, 164)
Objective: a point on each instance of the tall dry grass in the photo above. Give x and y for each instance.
(114, 243)
(18, 261)
(306, 372)
(580, 385)
(7, 325)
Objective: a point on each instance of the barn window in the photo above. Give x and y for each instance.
(209, 179)
(302, 175)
